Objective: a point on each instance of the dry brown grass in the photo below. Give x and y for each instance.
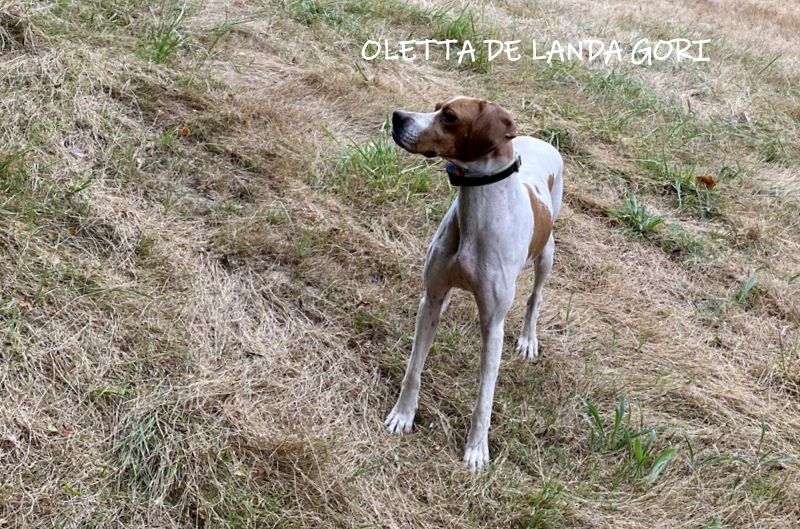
(207, 297)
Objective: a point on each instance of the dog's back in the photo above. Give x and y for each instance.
(541, 170)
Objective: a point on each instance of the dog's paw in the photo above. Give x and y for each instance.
(528, 348)
(476, 457)
(399, 421)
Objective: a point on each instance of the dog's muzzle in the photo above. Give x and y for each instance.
(400, 122)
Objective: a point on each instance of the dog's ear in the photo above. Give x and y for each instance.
(493, 127)
(438, 105)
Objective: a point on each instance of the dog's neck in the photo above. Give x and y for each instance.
(489, 164)
(475, 202)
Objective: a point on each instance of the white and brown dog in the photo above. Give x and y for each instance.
(501, 221)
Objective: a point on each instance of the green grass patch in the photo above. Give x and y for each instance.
(562, 139)
(747, 293)
(377, 171)
(310, 12)
(36, 201)
(635, 218)
(354, 18)
(692, 195)
(463, 27)
(689, 192)
(677, 242)
(545, 509)
(166, 34)
(642, 459)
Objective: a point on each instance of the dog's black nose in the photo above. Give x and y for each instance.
(398, 118)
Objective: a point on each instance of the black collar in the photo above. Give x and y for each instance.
(459, 179)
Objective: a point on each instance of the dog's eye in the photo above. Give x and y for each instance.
(449, 117)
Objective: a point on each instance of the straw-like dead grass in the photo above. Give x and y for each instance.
(211, 259)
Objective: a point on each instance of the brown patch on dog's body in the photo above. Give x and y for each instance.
(542, 223)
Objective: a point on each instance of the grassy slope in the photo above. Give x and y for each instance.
(210, 261)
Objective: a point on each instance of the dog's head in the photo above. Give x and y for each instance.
(460, 129)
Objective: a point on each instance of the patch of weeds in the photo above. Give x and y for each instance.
(370, 321)
(545, 509)
(145, 246)
(351, 18)
(643, 460)
(748, 292)
(166, 34)
(229, 208)
(167, 138)
(36, 200)
(306, 242)
(635, 217)
(771, 148)
(142, 453)
(691, 192)
(620, 87)
(611, 123)
(561, 139)
(276, 216)
(715, 523)
(157, 456)
(10, 323)
(462, 28)
(762, 459)
(762, 489)
(678, 242)
(376, 170)
(108, 396)
(310, 12)
(120, 13)
(216, 34)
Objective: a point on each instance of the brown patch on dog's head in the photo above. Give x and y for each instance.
(466, 129)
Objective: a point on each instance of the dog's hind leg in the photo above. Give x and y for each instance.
(528, 343)
(446, 302)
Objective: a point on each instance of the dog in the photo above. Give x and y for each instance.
(510, 190)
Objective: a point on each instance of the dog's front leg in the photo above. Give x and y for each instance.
(493, 304)
(401, 417)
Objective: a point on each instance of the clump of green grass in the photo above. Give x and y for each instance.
(10, 324)
(771, 147)
(747, 292)
(761, 459)
(30, 199)
(635, 217)
(693, 195)
(545, 506)
(676, 241)
(615, 83)
(462, 28)
(690, 194)
(377, 171)
(560, 138)
(350, 18)
(378, 162)
(310, 12)
(166, 33)
(642, 459)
